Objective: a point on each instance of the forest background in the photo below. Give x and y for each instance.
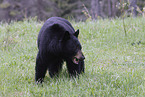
(79, 10)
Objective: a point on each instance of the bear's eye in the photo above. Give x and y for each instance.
(77, 47)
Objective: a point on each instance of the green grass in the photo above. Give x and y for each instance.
(113, 66)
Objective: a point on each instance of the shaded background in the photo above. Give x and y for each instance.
(74, 9)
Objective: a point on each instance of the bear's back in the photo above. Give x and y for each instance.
(64, 26)
(62, 22)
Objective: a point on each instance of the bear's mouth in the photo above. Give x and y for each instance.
(78, 57)
(75, 60)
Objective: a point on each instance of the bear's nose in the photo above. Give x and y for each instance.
(82, 58)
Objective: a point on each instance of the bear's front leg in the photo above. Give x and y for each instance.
(40, 70)
(55, 67)
(82, 66)
(75, 69)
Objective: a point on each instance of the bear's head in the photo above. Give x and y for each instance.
(72, 47)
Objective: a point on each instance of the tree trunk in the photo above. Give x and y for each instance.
(113, 8)
(39, 7)
(133, 7)
(95, 9)
(109, 8)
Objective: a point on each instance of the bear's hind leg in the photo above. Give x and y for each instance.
(55, 68)
(40, 70)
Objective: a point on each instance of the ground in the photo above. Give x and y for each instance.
(114, 68)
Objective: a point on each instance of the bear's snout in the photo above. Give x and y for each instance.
(78, 57)
(82, 58)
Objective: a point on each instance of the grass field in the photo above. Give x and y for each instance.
(114, 64)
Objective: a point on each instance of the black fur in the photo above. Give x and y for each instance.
(57, 42)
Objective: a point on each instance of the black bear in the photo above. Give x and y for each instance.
(58, 42)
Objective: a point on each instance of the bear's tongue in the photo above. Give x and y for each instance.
(76, 60)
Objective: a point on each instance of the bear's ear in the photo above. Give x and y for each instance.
(66, 36)
(76, 33)
(55, 26)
